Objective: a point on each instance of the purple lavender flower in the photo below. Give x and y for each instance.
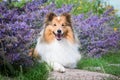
(96, 35)
(18, 26)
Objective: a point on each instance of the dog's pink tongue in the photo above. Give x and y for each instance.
(59, 35)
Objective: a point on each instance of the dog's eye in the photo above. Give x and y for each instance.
(63, 25)
(54, 24)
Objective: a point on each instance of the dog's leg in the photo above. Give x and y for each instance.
(57, 67)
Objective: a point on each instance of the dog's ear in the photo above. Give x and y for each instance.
(50, 16)
(67, 16)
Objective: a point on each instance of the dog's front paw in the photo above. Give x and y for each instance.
(58, 67)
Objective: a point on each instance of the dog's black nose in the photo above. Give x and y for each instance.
(59, 31)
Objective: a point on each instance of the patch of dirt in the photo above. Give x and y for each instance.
(76, 74)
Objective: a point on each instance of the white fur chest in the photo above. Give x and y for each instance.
(62, 52)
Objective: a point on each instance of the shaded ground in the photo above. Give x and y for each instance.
(75, 74)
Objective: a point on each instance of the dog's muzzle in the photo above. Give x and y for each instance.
(58, 34)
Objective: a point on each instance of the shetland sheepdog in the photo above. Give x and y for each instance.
(57, 44)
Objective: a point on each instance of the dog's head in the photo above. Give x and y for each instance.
(58, 27)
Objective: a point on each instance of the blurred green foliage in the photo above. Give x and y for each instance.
(82, 6)
(17, 4)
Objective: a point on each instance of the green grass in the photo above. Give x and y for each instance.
(102, 63)
(38, 72)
